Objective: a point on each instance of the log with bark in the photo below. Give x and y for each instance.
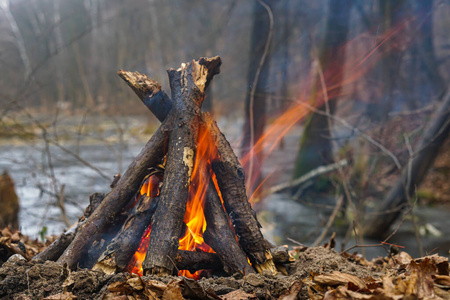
(175, 144)
(188, 85)
(54, 251)
(237, 205)
(107, 212)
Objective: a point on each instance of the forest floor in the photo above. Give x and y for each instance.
(315, 273)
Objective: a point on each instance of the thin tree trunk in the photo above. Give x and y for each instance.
(315, 146)
(409, 180)
(255, 102)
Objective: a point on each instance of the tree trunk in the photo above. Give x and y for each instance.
(315, 146)
(405, 186)
(255, 102)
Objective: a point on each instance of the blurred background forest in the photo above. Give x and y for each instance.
(352, 85)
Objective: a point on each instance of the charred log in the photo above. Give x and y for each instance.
(54, 251)
(218, 235)
(118, 198)
(126, 242)
(188, 85)
(194, 261)
(150, 93)
(231, 180)
(237, 206)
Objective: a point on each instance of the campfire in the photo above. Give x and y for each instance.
(181, 206)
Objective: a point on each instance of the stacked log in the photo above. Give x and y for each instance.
(175, 143)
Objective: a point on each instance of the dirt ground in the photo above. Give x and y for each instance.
(317, 273)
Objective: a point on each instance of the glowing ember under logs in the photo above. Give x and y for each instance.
(184, 201)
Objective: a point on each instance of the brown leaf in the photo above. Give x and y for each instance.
(120, 287)
(442, 280)
(135, 283)
(173, 291)
(421, 282)
(154, 288)
(15, 237)
(338, 278)
(193, 290)
(293, 291)
(343, 293)
(238, 295)
(61, 296)
(403, 258)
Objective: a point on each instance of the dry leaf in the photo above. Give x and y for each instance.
(293, 291)
(338, 278)
(61, 296)
(154, 288)
(192, 289)
(173, 291)
(403, 258)
(120, 287)
(421, 277)
(442, 280)
(238, 295)
(136, 283)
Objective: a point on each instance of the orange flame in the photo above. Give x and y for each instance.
(356, 67)
(194, 218)
(335, 78)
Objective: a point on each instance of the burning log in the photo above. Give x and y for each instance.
(231, 180)
(118, 198)
(156, 220)
(188, 85)
(194, 261)
(124, 245)
(234, 261)
(219, 236)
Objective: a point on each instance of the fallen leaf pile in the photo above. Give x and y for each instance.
(401, 278)
(13, 242)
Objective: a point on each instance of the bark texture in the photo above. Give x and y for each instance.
(54, 251)
(188, 85)
(218, 235)
(194, 261)
(126, 242)
(231, 180)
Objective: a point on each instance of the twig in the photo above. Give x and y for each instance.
(295, 242)
(330, 222)
(384, 242)
(340, 170)
(308, 176)
(80, 159)
(408, 196)
(62, 207)
(354, 129)
(253, 90)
